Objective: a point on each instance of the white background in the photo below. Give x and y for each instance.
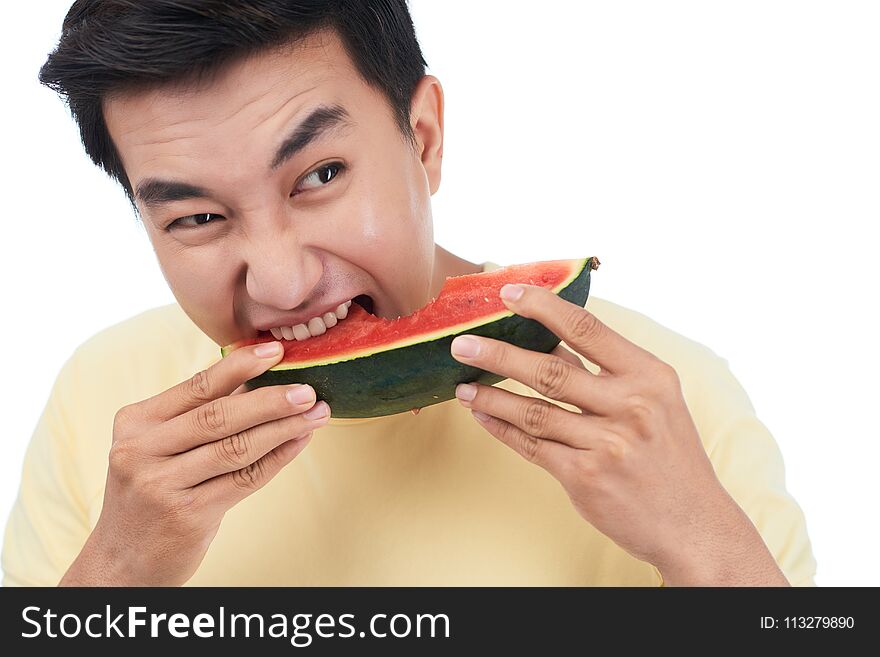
(721, 158)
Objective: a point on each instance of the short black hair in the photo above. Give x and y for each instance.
(108, 46)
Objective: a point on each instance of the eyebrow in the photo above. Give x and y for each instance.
(322, 120)
(154, 192)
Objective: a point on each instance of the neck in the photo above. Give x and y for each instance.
(448, 264)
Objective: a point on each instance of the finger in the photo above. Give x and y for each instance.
(550, 375)
(212, 383)
(227, 416)
(244, 448)
(229, 489)
(578, 361)
(580, 329)
(548, 454)
(568, 356)
(534, 416)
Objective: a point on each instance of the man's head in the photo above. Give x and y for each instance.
(282, 154)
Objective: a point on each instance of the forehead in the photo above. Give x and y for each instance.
(252, 99)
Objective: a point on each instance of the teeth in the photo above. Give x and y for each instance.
(315, 326)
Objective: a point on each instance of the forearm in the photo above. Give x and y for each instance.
(99, 564)
(728, 552)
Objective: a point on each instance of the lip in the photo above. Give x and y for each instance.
(302, 318)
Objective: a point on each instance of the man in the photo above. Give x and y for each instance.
(282, 156)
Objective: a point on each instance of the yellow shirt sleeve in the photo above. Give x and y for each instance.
(48, 524)
(749, 464)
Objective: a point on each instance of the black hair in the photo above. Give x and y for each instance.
(107, 46)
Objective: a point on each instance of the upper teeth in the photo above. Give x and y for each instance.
(314, 327)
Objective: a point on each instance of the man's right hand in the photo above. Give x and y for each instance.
(181, 459)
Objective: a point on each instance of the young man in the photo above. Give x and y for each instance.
(282, 156)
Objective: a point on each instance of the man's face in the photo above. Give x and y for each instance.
(256, 227)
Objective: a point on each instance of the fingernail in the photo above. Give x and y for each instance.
(465, 346)
(465, 391)
(482, 417)
(511, 292)
(300, 394)
(317, 411)
(267, 349)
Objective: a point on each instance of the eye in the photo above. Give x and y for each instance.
(320, 177)
(196, 219)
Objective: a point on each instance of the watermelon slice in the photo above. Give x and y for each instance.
(368, 366)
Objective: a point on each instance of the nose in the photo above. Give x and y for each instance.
(280, 272)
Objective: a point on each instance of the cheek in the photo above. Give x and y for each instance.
(395, 211)
(203, 289)
(394, 230)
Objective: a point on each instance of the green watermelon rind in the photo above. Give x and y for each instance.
(423, 372)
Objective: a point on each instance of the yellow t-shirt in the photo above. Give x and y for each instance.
(427, 499)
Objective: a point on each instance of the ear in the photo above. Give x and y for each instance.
(426, 118)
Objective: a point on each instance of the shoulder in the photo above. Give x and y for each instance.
(140, 356)
(685, 354)
(150, 329)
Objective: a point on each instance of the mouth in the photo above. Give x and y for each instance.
(320, 324)
(365, 301)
